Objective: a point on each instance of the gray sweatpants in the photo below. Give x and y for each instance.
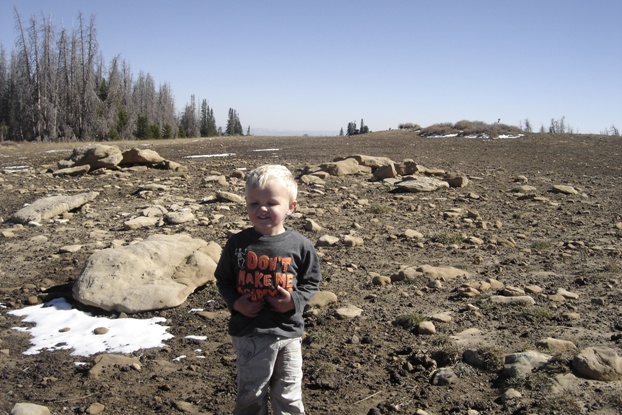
(268, 365)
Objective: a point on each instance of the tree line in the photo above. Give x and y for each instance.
(55, 86)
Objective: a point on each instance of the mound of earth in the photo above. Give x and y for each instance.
(436, 295)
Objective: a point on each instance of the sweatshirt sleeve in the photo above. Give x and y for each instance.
(225, 277)
(309, 277)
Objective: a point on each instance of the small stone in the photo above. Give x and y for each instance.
(567, 294)
(441, 318)
(381, 280)
(69, 249)
(571, 316)
(327, 240)
(100, 330)
(348, 312)
(25, 408)
(533, 289)
(413, 234)
(598, 301)
(426, 327)
(511, 394)
(312, 226)
(444, 376)
(556, 345)
(352, 241)
(568, 190)
(95, 408)
(510, 291)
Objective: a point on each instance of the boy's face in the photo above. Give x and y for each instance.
(267, 208)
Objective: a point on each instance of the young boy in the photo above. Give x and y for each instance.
(266, 275)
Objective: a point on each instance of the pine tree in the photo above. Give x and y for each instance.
(229, 129)
(204, 127)
(234, 126)
(364, 129)
(352, 129)
(142, 128)
(211, 124)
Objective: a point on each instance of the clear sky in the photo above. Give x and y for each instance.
(313, 66)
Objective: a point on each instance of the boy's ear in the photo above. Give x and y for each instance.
(292, 207)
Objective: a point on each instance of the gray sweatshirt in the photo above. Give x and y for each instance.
(256, 263)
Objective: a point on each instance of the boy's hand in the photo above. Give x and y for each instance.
(282, 302)
(245, 306)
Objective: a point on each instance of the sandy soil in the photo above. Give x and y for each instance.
(369, 364)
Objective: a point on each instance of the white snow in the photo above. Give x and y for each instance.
(58, 326)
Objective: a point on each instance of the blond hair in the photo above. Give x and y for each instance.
(273, 173)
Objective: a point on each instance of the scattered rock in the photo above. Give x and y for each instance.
(416, 184)
(519, 365)
(567, 190)
(50, 207)
(25, 408)
(598, 363)
(348, 312)
(158, 273)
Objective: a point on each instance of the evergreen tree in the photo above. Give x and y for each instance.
(234, 126)
(364, 129)
(142, 128)
(211, 123)
(352, 129)
(204, 127)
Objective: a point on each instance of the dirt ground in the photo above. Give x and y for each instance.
(369, 364)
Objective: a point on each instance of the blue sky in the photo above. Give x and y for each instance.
(313, 66)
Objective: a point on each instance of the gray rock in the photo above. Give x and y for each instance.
(97, 156)
(141, 156)
(443, 376)
(385, 172)
(140, 222)
(49, 207)
(348, 312)
(567, 190)
(159, 272)
(599, 363)
(342, 167)
(426, 327)
(179, 217)
(519, 365)
(372, 161)
(421, 184)
(72, 171)
(556, 345)
(456, 179)
(322, 299)
(229, 197)
(443, 273)
(351, 241)
(25, 408)
(327, 240)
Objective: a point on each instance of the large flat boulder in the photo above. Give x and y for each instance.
(157, 273)
(97, 156)
(50, 207)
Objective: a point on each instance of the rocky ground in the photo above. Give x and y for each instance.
(506, 238)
